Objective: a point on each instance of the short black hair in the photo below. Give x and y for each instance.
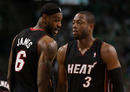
(89, 16)
(49, 9)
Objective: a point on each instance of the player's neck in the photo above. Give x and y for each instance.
(85, 43)
(39, 25)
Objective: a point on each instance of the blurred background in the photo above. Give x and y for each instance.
(112, 25)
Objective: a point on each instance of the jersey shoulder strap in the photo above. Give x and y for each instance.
(69, 47)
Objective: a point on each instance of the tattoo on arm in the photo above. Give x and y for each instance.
(44, 66)
(51, 52)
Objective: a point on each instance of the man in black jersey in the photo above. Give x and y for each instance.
(87, 64)
(33, 51)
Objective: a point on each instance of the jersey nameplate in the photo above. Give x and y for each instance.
(26, 42)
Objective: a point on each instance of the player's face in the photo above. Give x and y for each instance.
(54, 23)
(80, 26)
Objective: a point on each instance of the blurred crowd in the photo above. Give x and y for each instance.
(112, 25)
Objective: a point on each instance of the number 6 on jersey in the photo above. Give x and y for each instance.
(20, 62)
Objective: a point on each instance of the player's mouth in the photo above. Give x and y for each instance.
(75, 31)
(55, 32)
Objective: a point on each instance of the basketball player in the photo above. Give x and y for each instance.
(87, 64)
(33, 51)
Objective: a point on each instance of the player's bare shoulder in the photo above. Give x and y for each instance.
(108, 51)
(107, 48)
(63, 49)
(47, 44)
(62, 53)
(47, 40)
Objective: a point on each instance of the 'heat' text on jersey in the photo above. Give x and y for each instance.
(80, 69)
(26, 42)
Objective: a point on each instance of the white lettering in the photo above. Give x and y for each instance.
(90, 67)
(83, 69)
(77, 68)
(70, 68)
(18, 42)
(27, 42)
(4, 84)
(21, 42)
(80, 69)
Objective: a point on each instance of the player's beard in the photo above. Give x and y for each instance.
(49, 30)
(77, 37)
(80, 37)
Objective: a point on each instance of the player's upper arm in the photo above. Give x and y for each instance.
(61, 54)
(62, 75)
(10, 62)
(109, 56)
(11, 51)
(47, 48)
(10, 57)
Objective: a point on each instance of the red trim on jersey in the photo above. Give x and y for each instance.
(32, 29)
(108, 87)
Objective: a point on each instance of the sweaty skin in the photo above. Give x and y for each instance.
(47, 48)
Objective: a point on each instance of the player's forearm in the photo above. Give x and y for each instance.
(44, 69)
(44, 85)
(8, 80)
(9, 69)
(43, 88)
(61, 88)
(116, 79)
(8, 76)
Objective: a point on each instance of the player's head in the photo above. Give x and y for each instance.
(51, 15)
(83, 24)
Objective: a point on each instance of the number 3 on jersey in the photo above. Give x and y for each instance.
(19, 61)
(87, 83)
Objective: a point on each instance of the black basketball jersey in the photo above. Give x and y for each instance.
(86, 73)
(25, 60)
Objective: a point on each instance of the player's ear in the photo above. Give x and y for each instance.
(44, 18)
(91, 26)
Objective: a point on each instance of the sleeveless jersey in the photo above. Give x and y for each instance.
(25, 60)
(86, 73)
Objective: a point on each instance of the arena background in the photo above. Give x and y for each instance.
(112, 25)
